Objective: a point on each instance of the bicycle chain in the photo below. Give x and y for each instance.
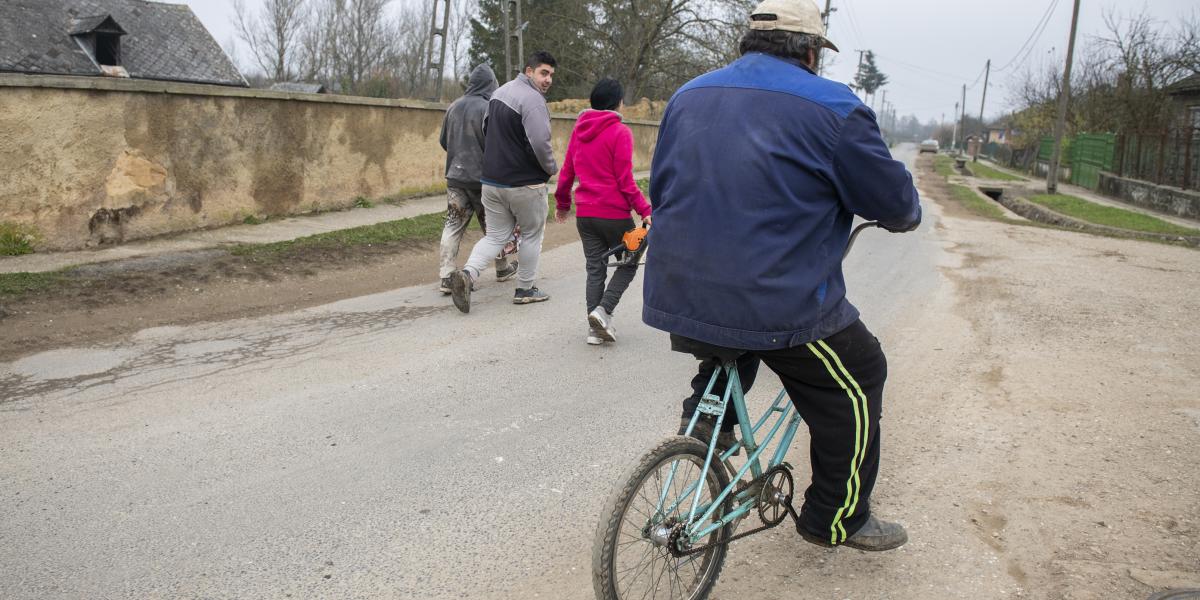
(757, 481)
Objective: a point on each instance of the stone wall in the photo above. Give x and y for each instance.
(1165, 199)
(91, 161)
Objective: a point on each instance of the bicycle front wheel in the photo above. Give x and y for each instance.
(632, 557)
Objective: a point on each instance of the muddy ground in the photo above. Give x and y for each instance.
(107, 302)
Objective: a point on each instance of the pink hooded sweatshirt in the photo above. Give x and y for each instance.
(600, 154)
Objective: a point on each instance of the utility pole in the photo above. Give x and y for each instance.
(824, 19)
(954, 136)
(437, 39)
(1061, 122)
(963, 117)
(514, 32)
(983, 127)
(856, 71)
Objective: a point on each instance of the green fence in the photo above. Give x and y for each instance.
(1045, 149)
(1087, 154)
(1090, 154)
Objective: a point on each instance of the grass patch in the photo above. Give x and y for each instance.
(415, 229)
(1100, 214)
(943, 165)
(363, 202)
(253, 220)
(976, 204)
(16, 240)
(413, 193)
(986, 172)
(13, 284)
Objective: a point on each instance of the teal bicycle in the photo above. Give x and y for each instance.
(665, 530)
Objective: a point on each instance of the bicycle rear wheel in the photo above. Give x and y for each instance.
(631, 559)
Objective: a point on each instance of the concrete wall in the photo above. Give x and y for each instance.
(90, 161)
(1165, 199)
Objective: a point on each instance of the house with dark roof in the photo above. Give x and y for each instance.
(1185, 94)
(137, 39)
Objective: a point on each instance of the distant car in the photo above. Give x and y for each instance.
(929, 146)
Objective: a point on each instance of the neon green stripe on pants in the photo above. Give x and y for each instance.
(836, 529)
(866, 420)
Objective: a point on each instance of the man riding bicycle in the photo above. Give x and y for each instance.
(759, 171)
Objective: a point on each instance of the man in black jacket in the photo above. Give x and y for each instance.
(518, 160)
(462, 138)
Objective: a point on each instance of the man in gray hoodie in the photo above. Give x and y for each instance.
(462, 138)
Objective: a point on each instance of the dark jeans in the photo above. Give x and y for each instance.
(836, 385)
(599, 236)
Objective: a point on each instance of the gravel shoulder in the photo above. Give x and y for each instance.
(1040, 429)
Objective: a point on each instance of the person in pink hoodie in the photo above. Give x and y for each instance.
(600, 155)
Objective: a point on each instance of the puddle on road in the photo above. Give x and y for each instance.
(70, 363)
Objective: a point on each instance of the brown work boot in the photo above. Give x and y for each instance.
(874, 536)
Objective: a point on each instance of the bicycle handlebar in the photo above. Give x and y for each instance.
(854, 236)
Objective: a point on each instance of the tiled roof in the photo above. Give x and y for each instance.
(1187, 85)
(298, 87)
(163, 41)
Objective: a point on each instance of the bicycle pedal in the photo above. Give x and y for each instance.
(711, 404)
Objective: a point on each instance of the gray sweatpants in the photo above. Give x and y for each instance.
(506, 208)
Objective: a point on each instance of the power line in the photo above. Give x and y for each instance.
(901, 63)
(977, 78)
(850, 16)
(1033, 38)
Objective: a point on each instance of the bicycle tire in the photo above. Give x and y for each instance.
(608, 533)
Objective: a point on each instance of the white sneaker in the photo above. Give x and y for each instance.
(593, 338)
(601, 323)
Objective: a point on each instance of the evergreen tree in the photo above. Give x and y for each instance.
(556, 26)
(869, 78)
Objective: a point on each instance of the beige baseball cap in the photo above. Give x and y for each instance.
(800, 16)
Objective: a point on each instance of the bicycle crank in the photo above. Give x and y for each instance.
(774, 503)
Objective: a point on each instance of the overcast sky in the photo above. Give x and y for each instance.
(928, 48)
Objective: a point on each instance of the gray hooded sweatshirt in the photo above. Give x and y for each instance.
(462, 130)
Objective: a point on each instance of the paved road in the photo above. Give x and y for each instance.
(384, 446)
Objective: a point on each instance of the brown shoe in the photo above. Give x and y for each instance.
(874, 536)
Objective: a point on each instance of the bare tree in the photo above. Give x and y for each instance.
(316, 47)
(363, 40)
(348, 44)
(653, 46)
(458, 39)
(1120, 79)
(407, 54)
(273, 35)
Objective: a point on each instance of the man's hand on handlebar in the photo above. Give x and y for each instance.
(900, 228)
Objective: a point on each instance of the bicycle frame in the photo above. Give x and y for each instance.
(788, 422)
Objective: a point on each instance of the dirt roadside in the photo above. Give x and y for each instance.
(108, 302)
(1040, 429)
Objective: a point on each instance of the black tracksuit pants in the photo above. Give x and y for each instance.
(599, 236)
(836, 385)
